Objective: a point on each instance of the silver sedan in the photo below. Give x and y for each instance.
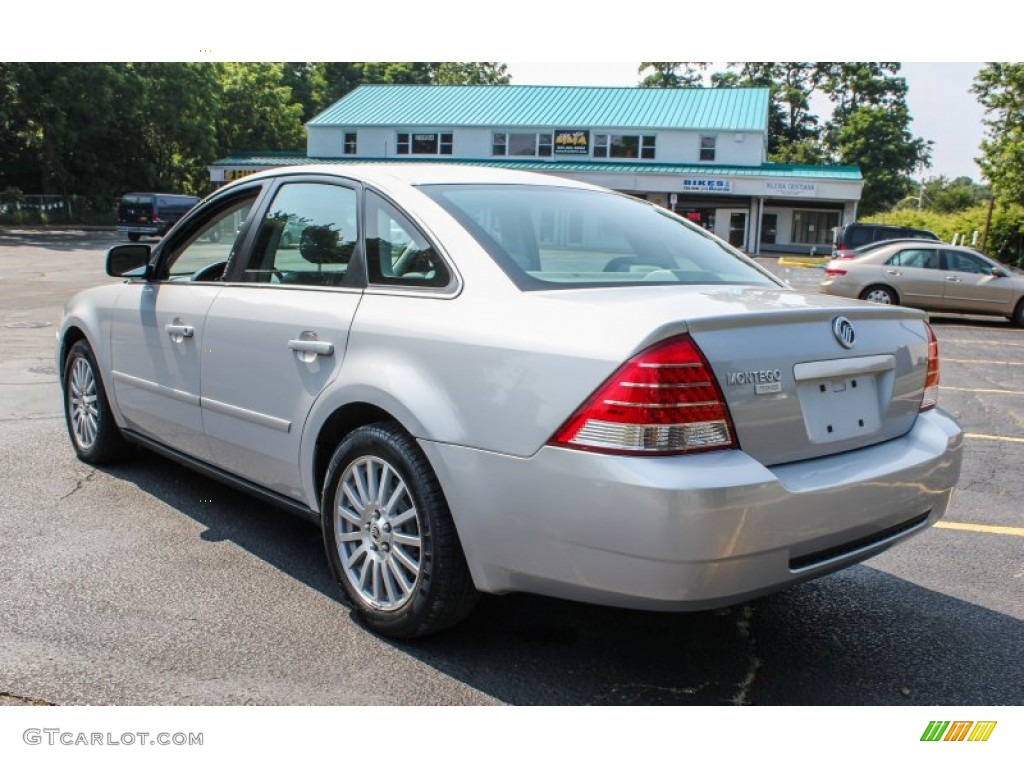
(930, 276)
(491, 381)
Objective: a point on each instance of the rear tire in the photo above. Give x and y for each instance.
(94, 434)
(390, 538)
(879, 294)
(1018, 314)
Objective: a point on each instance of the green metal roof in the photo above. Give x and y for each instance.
(776, 170)
(554, 106)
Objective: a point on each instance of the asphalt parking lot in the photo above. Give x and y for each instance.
(150, 584)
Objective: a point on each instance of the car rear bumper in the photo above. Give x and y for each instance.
(689, 532)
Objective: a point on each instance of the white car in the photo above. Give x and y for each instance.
(491, 381)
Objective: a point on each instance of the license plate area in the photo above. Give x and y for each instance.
(840, 408)
(844, 399)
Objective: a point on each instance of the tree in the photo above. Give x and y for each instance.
(793, 130)
(870, 127)
(878, 140)
(667, 74)
(470, 73)
(1000, 89)
(257, 110)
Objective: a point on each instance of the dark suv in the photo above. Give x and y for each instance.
(855, 235)
(151, 213)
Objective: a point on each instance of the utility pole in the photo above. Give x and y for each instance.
(988, 220)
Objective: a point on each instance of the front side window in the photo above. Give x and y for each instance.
(624, 147)
(964, 262)
(307, 237)
(424, 144)
(397, 253)
(707, 148)
(210, 245)
(552, 237)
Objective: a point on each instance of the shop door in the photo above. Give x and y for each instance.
(738, 229)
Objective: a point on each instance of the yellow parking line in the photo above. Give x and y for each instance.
(976, 436)
(974, 362)
(983, 391)
(1001, 530)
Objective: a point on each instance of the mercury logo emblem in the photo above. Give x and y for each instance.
(842, 329)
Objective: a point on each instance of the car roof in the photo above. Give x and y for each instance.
(414, 174)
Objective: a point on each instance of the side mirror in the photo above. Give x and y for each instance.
(999, 272)
(129, 260)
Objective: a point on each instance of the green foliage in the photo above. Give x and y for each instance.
(1004, 235)
(869, 125)
(101, 129)
(471, 73)
(667, 74)
(1000, 89)
(947, 196)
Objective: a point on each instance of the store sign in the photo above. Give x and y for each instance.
(791, 188)
(707, 185)
(572, 142)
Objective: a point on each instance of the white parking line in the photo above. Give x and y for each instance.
(982, 391)
(976, 436)
(973, 342)
(978, 362)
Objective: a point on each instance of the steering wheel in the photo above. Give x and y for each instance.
(211, 273)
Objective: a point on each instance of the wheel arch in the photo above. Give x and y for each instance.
(333, 430)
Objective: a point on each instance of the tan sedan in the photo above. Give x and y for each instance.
(931, 276)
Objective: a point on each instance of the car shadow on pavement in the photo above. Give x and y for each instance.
(860, 636)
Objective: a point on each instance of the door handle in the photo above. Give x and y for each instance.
(893, 272)
(324, 348)
(184, 331)
(953, 278)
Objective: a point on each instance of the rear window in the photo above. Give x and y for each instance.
(550, 237)
(137, 200)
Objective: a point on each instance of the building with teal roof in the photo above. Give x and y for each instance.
(699, 151)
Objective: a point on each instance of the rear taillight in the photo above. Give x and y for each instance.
(835, 272)
(663, 401)
(931, 379)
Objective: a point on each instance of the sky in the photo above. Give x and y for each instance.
(941, 105)
(581, 46)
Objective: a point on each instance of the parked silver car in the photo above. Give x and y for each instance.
(491, 381)
(931, 276)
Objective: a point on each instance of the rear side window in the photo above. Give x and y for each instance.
(922, 258)
(551, 237)
(397, 253)
(857, 237)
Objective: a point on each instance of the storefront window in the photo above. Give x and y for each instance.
(624, 147)
(769, 228)
(814, 227)
(521, 145)
(424, 144)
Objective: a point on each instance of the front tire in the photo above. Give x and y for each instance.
(390, 538)
(94, 434)
(134, 236)
(1018, 314)
(879, 294)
